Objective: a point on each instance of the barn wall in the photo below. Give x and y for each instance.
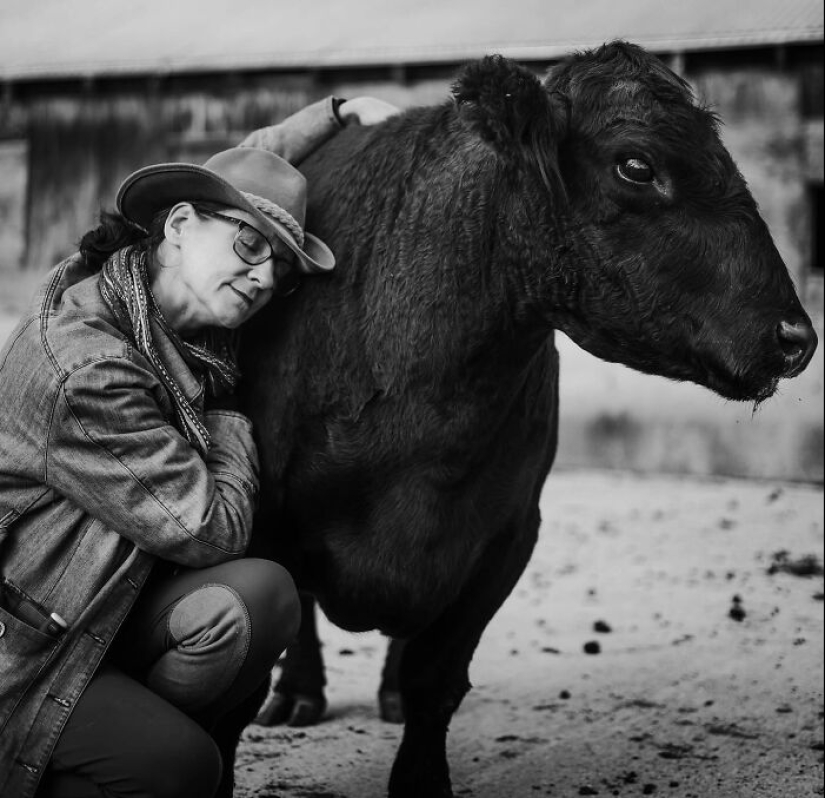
(13, 183)
(79, 147)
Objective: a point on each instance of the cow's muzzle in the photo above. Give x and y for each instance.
(798, 341)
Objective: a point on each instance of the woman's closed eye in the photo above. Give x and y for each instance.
(251, 243)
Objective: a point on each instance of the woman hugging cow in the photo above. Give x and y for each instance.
(130, 620)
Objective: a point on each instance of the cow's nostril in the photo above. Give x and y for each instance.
(798, 341)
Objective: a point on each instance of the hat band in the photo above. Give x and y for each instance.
(277, 212)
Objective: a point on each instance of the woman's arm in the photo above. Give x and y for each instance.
(301, 134)
(111, 451)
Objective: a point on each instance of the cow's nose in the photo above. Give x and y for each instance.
(798, 341)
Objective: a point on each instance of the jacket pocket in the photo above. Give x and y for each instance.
(24, 652)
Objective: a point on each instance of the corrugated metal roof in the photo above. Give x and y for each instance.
(62, 38)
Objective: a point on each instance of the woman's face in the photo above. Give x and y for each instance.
(202, 281)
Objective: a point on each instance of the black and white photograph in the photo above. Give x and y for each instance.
(412, 399)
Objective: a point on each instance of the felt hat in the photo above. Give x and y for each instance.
(257, 181)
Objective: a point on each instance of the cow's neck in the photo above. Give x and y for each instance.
(468, 339)
(458, 281)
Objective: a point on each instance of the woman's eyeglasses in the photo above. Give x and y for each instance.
(252, 247)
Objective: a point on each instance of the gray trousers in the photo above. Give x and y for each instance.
(196, 644)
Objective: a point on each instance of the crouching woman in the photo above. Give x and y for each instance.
(130, 621)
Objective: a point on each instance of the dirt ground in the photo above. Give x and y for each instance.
(708, 682)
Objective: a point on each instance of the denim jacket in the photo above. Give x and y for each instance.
(97, 484)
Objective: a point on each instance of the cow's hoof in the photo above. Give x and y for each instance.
(418, 788)
(425, 777)
(292, 710)
(308, 711)
(391, 706)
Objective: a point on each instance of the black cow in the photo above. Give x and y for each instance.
(407, 406)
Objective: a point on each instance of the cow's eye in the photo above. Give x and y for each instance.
(635, 170)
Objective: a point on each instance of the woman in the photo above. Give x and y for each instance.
(130, 621)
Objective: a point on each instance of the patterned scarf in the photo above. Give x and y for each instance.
(124, 284)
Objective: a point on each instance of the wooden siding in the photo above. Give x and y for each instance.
(80, 149)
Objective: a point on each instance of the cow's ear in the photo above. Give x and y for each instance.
(508, 107)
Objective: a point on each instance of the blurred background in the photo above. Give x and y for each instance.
(91, 90)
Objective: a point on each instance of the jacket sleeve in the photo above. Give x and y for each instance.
(299, 135)
(113, 452)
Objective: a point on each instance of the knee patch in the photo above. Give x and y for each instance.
(209, 635)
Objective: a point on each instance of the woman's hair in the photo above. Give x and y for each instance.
(114, 232)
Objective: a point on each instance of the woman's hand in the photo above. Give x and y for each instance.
(366, 111)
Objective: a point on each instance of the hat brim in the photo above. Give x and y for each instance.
(153, 188)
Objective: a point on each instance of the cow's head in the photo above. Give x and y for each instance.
(657, 256)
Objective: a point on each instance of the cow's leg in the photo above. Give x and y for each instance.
(435, 667)
(298, 698)
(390, 703)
